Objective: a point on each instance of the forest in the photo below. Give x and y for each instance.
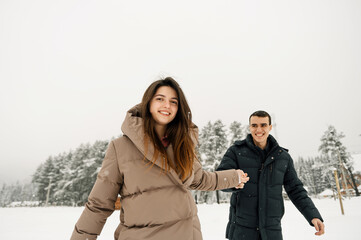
(66, 179)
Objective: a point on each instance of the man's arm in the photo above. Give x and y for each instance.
(301, 200)
(319, 226)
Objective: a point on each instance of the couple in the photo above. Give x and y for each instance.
(154, 164)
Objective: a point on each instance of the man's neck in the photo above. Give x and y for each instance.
(260, 145)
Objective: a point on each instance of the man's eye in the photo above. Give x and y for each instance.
(264, 125)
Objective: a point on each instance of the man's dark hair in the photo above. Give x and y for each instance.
(260, 113)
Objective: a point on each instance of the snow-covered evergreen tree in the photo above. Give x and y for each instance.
(80, 172)
(236, 131)
(77, 175)
(18, 192)
(213, 144)
(337, 155)
(70, 176)
(10, 193)
(311, 174)
(3, 195)
(44, 178)
(62, 163)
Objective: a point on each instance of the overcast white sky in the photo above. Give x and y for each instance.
(70, 69)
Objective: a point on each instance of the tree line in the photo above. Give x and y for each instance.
(67, 178)
(317, 172)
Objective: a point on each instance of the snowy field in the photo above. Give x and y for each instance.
(56, 223)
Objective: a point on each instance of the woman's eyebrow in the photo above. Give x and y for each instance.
(161, 95)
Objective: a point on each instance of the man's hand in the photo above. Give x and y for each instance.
(319, 226)
(242, 178)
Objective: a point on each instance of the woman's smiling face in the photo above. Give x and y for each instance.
(164, 105)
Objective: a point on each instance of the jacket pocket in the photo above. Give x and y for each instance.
(275, 208)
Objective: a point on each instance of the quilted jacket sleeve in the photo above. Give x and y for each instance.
(229, 161)
(210, 181)
(298, 194)
(101, 200)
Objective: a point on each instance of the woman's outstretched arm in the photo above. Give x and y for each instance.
(101, 200)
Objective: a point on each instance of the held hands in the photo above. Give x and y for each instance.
(242, 178)
(319, 226)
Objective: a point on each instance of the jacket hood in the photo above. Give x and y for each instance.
(132, 127)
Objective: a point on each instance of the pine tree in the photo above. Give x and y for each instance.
(204, 137)
(28, 192)
(3, 196)
(17, 193)
(236, 131)
(337, 155)
(68, 178)
(44, 178)
(62, 163)
(213, 144)
(311, 175)
(77, 175)
(80, 172)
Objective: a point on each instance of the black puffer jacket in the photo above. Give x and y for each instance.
(258, 207)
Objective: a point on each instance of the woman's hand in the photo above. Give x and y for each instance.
(242, 178)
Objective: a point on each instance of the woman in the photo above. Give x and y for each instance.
(151, 167)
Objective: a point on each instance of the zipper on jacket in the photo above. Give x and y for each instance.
(271, 173)
(262, 166)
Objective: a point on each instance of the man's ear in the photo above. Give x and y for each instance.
(270, 127)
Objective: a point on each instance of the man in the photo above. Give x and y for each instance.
(257, 209)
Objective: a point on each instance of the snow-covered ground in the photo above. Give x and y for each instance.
(56, 223)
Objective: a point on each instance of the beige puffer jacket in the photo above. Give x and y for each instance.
(154, 205)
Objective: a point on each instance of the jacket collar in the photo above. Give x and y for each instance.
(271, 142)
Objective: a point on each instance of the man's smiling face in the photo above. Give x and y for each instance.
(260, 128)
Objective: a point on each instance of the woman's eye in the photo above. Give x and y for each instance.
(159, 99)
(174, 102)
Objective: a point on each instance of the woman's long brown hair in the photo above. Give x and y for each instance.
(179, 131)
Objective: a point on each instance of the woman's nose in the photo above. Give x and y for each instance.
(166, 104)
